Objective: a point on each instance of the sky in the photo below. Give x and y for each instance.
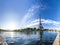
(16, 14)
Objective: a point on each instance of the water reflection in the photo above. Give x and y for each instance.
(27, 38)
(41, 34)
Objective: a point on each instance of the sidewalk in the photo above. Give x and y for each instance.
(56, 42)
(2, 41)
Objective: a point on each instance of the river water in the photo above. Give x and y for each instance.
(27, 38)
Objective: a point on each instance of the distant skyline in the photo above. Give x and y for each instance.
(16, 14)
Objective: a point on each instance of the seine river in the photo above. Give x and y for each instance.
(27, 38)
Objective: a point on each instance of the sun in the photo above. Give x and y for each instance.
(10, 25)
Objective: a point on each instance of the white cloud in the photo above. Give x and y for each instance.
(29, 14)
(48, 21)
(56, 24)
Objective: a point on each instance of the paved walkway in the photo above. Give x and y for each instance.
(2, 41)
(56, 42)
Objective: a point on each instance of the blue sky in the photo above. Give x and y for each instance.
(16, 14)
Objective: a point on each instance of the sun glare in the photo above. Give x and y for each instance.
(12, 34)
(10, 26)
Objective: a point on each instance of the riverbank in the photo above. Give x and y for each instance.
(2, 41)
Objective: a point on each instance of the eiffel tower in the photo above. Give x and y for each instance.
(40, 30)
(40, 24)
